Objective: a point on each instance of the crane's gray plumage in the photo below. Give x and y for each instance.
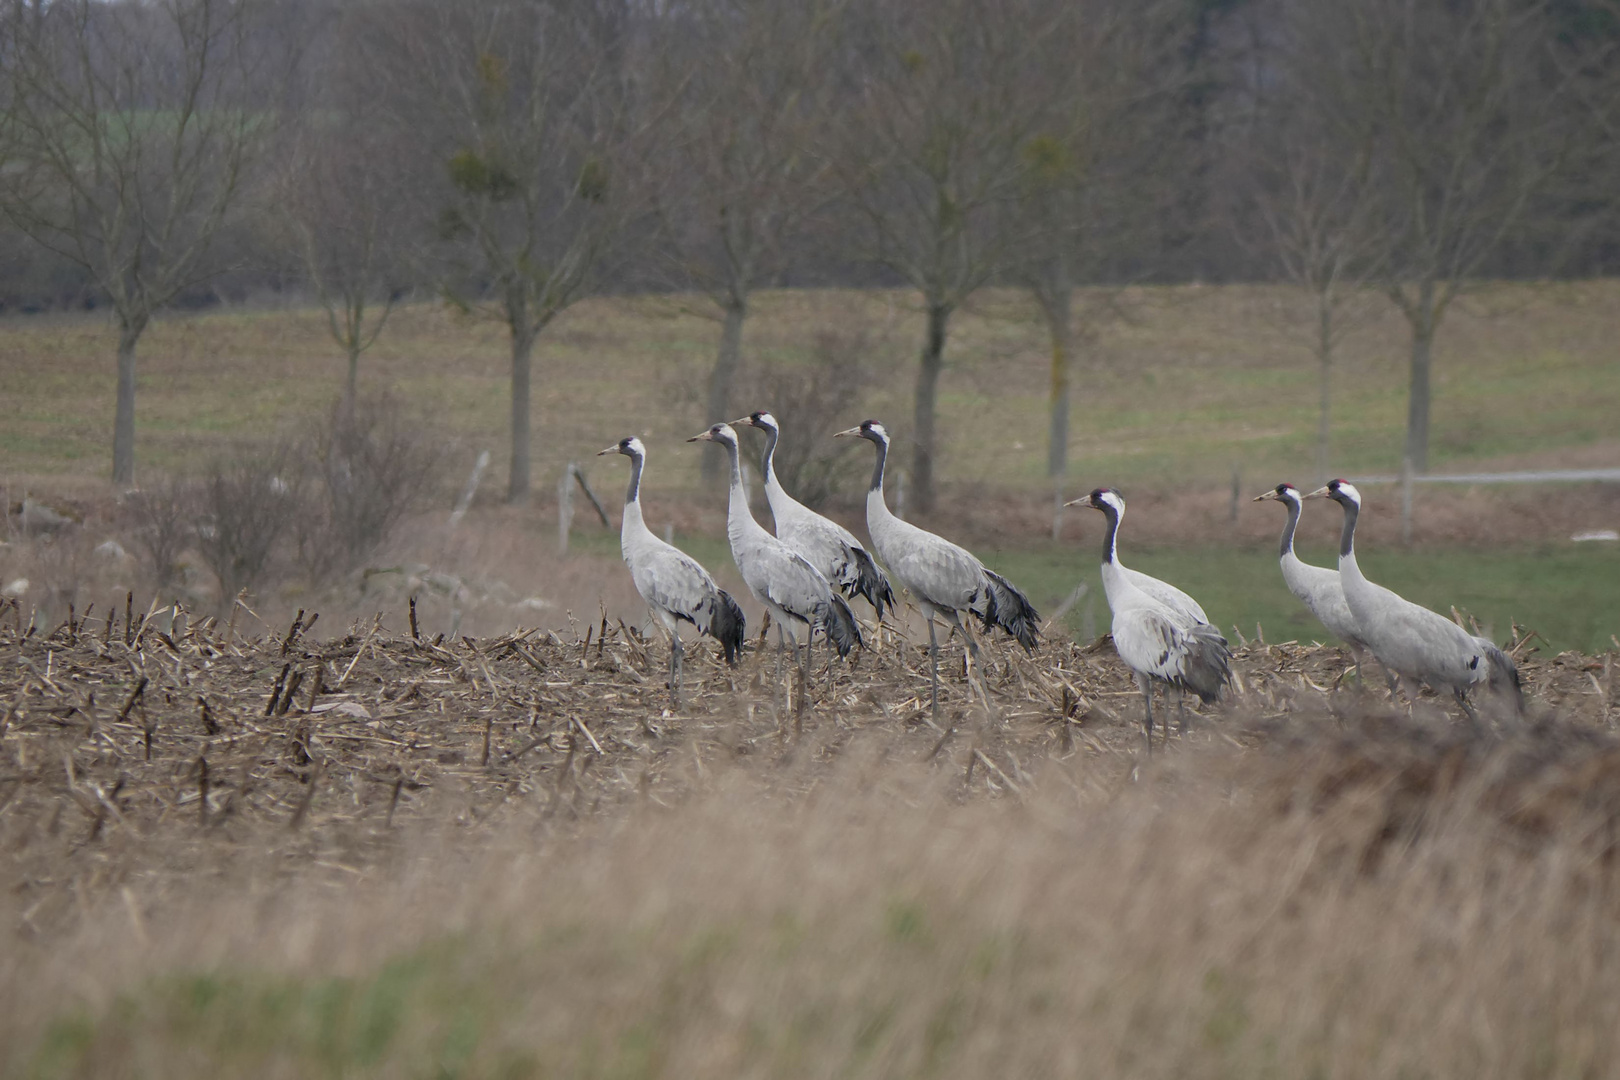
(1407, 638)
(1159, 641)
(825, 544)
(945, 579)
(792, 590)
(671, 581)
(1317, 587)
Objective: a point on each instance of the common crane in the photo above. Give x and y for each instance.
(793, 591)
(671, 581)
(1409, 639)
(824, 543)
(1317, 587)
(1159, 641)
(945, 579)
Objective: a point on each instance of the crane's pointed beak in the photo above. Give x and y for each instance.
(1084, 500)
(747, 421)
(848, 431)
(1319, 493)
(701, 437)
(1264, 495)
(610, 450)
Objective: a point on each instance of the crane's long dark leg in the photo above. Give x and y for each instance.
(676, 651)
(1146, 686)
(1468, 710)
(804, 676)
(1183, 718)
(975, 667)
(781, 650)
(933, 665)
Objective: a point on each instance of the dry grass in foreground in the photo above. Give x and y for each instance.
(504, 858)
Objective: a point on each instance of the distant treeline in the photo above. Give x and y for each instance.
(512, 156)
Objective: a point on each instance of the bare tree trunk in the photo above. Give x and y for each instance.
(130, 329)
(523, 335)
(720, 381)
(933, 362)
(1056, 301)
(351, 390)
(1422, 319)
(1324, 354)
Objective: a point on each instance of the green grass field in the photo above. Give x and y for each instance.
(1178, 382)
(1569, 595)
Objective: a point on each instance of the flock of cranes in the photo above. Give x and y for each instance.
(808, 572)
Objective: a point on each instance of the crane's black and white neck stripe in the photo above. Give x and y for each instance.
(874, 432)
(1345, 494)
(1113, 507)
(631, 448)
(1288, 495)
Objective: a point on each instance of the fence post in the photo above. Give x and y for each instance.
(1406, 500)
(470, 490)
(565, 507)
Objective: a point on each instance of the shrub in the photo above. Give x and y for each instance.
(161, 519)
(811, 400)
(244, 506)
(362, 471)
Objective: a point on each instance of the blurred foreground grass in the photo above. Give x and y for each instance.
(1329, 896)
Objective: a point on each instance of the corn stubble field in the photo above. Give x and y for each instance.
(372, 853)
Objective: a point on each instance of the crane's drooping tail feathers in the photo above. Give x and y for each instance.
(1009, 609)
(727, 625)
(868, 581)
(1504, 673)
(842, 630)
(1207, 666)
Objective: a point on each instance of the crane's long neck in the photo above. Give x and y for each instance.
(768, 471)
(876, 507)
(1287, 547)
(1110, 535)
(739, 518)
(1349, 570)
(632, 521)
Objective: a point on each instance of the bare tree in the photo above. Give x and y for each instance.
(1097, 172)
(1307, 203)
(128, 131)
(338, 208)
(1314, 216)
(522, 103)
(930, 150)
(740, 88)
(1463, 113)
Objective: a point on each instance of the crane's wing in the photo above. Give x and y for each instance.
(939, 572)
(1149, 642)
(1167, 594)
(669, 578)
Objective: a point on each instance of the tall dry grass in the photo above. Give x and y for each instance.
(1381, 899)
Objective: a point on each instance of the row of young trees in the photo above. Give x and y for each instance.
(517, 155)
